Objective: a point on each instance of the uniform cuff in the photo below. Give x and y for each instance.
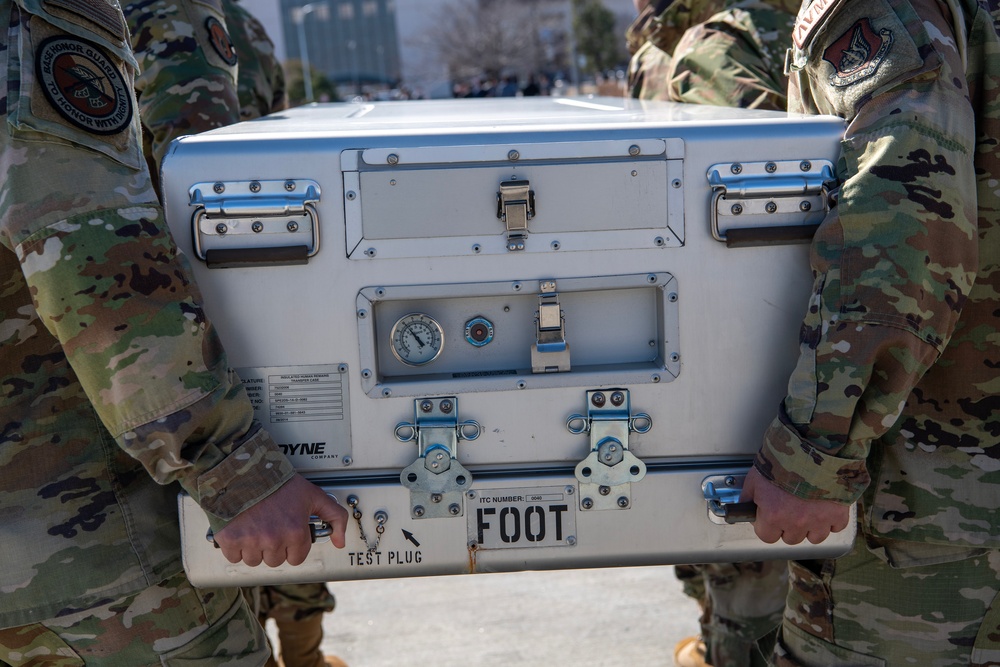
(804, 470)
(253, 471)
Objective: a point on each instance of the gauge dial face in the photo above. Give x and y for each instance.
(416, 339)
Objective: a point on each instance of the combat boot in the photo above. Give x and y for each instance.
(690, 652)
(300, 642)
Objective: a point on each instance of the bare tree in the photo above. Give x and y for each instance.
(484, 37)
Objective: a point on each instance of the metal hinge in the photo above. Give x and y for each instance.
(436, 480)
(550, 353)
(782, 201)
(515, 207)
(252, 219)
(606, 475)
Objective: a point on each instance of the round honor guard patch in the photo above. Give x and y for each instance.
(84, 85)
(219, 38)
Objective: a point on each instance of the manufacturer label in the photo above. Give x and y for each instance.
(522, 518)
(306, 410)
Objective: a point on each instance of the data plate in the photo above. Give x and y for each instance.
(522, 518)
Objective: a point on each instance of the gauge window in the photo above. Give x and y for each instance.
(416, 339)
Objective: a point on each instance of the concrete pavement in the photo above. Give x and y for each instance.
(616, 617)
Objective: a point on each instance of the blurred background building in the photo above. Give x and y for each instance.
(438, 48)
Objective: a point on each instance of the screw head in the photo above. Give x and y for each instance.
(436, 497)
(418, 511)
(257, 226)
(221, 228)
(633, 150)
(736, 168)
(290, 186)
(805, 165)
(737, 209)
(604, 490)
(392, 159)
(426, 406)
(623, 502)
(617, 398)
(219, 188)
(254, 187)
(805, 206)
(513, 156)
(598, 399)
(770, 207)
(292, 226)
(770, 167)
(447, 406)
(587, 503)
(454, 509)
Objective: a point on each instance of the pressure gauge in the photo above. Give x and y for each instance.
(416, 339)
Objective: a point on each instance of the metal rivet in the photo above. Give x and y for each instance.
(634, 173)
(351, 195)
(555, 245)
(513, 156)
(569, 490)
(292, 226)
(362, 314)
(770, 167)
(476, 248)
(676, 183)
(370, 252)
(672, 297)
(342, 368)
(366, 373)
(221, 228)
(392, 182)
(352, 500)
(633, 150)
(805, 206)
(392, 158)
(290, 186)
(257, 226)
(571, 540)
(521, 384)
(651, 279)
(254, 187)
(805, 165)
(770, 207)
(736, 168)
(659, 241)
(219, 188)
(516, 287)
(387, 392)
(736, 209)
(654, 379)
(347, 460)
(674, 357)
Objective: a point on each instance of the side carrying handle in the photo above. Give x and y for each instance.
(722, 492)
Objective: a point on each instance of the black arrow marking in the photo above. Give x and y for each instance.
(408, 535)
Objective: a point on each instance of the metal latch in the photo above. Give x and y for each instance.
(550, 352)
(515, 207)
(436, 480)
(606, 475)
(781, 201)
(723, 495)
(239, 223)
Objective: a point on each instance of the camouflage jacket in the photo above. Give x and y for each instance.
(261, 80)
(895, 396)
(188, 68)
(725, 53)
(114, 384)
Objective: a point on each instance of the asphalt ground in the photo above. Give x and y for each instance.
(614, 617)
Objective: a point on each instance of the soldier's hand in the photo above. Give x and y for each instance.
(276, 529)
(783, 516)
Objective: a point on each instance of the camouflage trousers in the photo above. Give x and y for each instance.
(171, 624)
(858, 610)
(297, 611)
(741, 605)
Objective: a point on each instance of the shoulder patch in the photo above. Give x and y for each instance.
(220, 40)
(857, 54)
(83, 85)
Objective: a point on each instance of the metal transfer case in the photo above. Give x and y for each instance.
(509, 334)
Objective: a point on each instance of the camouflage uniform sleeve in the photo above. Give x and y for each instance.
(895, 259)
(112, 288)
(186, 61)
(733, 59)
